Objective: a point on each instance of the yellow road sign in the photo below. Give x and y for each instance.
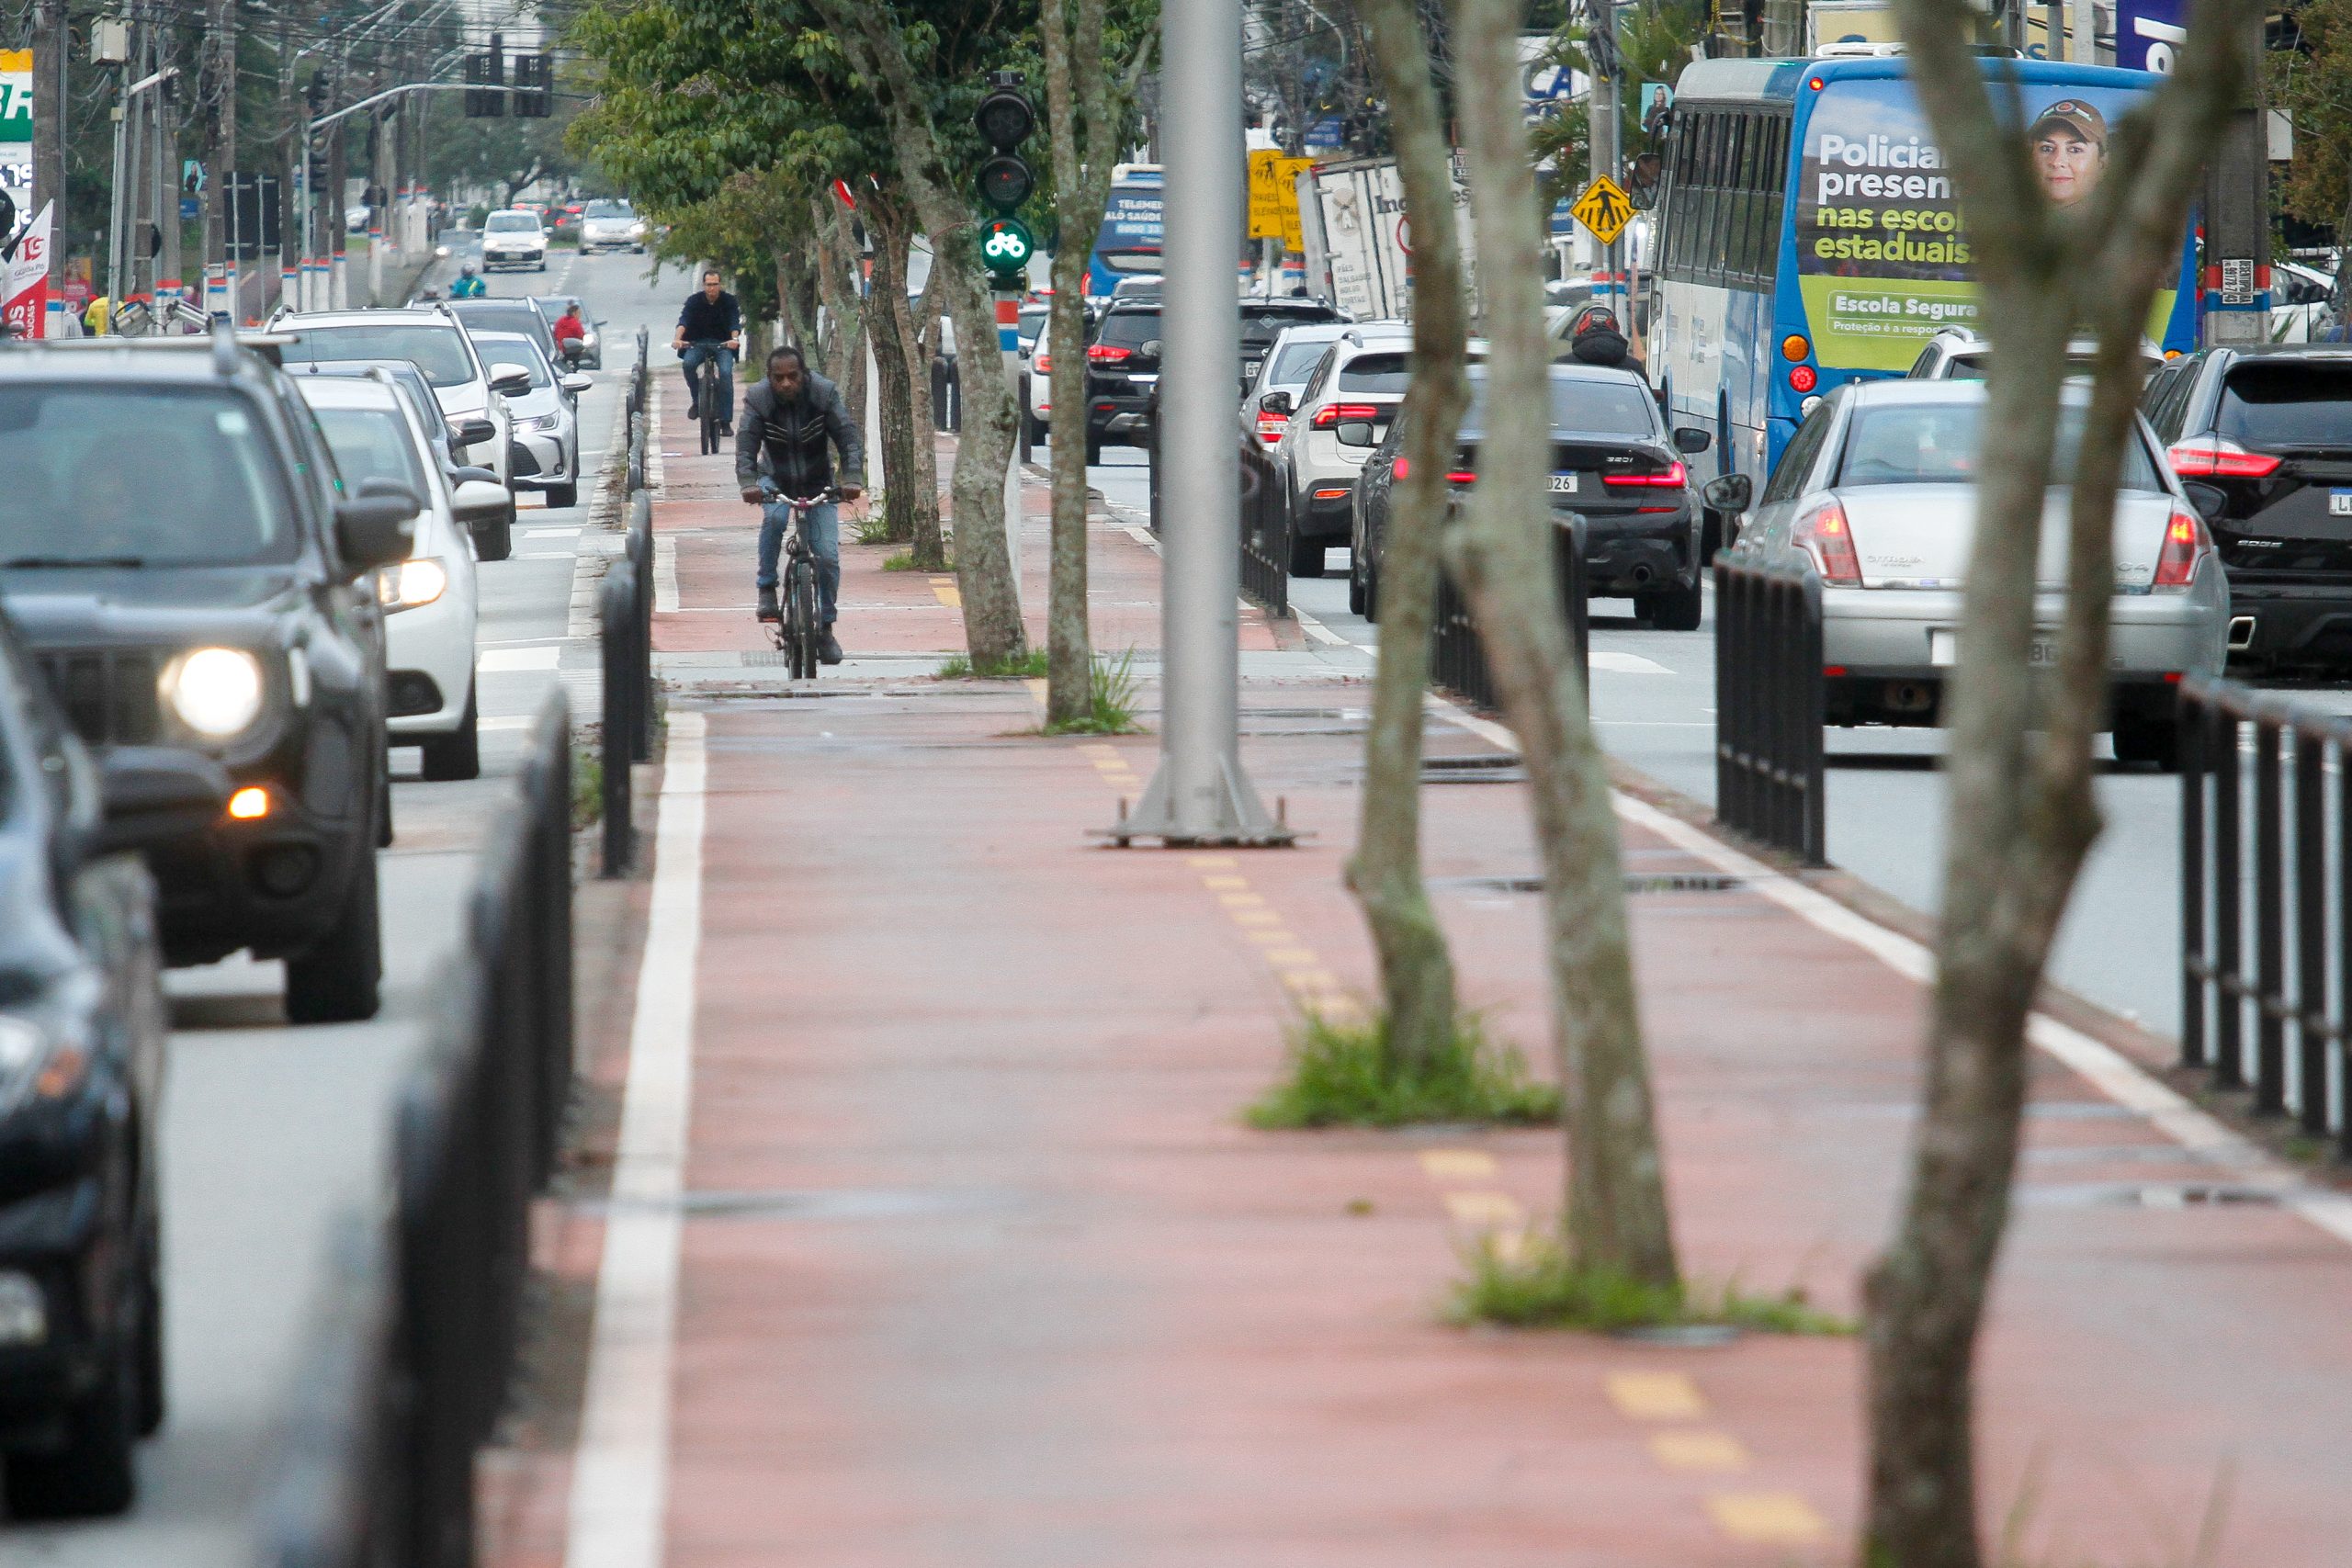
(1274, 198)
(1605, 208)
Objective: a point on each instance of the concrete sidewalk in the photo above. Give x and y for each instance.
(971, 1261)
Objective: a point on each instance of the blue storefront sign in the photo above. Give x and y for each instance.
(2148, 32)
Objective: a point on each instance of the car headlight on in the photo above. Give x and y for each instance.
(36, 1063)
(543, 421)
(412, 583)
(217, 691)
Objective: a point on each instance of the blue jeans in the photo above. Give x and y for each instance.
(822, 533)
(695, 354)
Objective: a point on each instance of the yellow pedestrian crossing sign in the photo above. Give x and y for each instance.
(1605, 208)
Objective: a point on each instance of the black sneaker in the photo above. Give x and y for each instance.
(829, 650)
(768, 612)
(726, 427)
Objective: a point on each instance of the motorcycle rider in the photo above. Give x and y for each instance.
(468, 286)
(790, 418)
(710, 328)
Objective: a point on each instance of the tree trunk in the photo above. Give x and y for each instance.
(1617, 1219)
(892, 389)
(1075, 102)
(930, 546)
(993, 633)
(1416, 970)
(2022, 812)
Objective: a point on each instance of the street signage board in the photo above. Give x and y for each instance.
(17, 125)
(1273, 195)
(1605, 208)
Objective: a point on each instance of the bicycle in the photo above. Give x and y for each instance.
(796, 631)
(711, 409)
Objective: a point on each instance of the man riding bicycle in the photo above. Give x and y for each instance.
(711, 329)
(790, 418)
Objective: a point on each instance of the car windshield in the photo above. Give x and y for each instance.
(1129, 328)
(1389, 373)
(2287, 403)
(142, 475)
(511, 222)
(1260, 328)
(1587, 406)
(512, 354)
(1910, 444)
(437, 350)
(1295, 363)
(372, 443)
(607, 209)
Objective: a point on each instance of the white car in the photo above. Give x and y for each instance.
(1040, 379)
(2299, 303)
(547, 429)
(1289, 363)
(430, 600)
(611, 225)
(514, 238)
(1358, 381)
(481, 434)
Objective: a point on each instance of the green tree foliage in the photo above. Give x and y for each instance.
(2312, 85)
(1654, 44)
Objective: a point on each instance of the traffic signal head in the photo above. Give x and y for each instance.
(1006, 245)
(1006, 182)
(1004, 119)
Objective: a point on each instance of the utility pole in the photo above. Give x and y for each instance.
(1605, 129)
(220, 160)
(1200, 794)
(2237, 218)
(291, 152)
(168, 170)
(52, 43)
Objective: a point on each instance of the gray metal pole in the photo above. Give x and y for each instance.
(1200, 795)
(1607, 150)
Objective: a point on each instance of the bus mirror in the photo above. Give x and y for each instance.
(1728, 493)
(1690, 440)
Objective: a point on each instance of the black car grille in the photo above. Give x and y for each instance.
(110, 696)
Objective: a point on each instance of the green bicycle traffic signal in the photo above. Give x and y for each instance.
(1006, 245)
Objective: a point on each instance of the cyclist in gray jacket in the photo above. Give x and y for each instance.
(789, 420)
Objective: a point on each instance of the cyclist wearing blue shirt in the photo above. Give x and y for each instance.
(711, 329)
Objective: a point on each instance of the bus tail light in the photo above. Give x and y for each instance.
(1793, 347)
(1330, 414)
(2216, 459)
(1802, 379)
(2185, 546)
(1824, 534)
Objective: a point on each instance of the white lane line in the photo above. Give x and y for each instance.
(507, 661)
(665, 575)
(2106, 1069)
(1626, 663)
(620, 1477)
(502, 721)
(1317, 630)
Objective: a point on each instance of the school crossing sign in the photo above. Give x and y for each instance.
(1605, 208)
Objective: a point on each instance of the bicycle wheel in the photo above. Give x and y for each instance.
(804, 616)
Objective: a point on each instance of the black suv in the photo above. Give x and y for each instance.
(2271, 430)
(180, 555)
(82, 1027)
(1122, 362)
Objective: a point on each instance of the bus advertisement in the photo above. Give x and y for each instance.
(1128, 241)
(1812, 233)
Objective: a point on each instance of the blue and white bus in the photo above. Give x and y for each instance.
(1128, 241)
(1810, 233)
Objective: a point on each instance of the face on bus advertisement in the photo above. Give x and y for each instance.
(1882, 257)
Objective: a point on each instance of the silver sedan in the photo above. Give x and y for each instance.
(1876, 494)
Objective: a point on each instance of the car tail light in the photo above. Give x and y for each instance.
(1403, 468)
(1110, 353)
(2185, 546)
(2216, 459)
(1463, 477)
(1330, 414)
(1825, 537)
(1044, 365)
(1270, 427)
(1674, 477)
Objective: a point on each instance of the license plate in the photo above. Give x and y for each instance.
(1249, 369)
(2339, 503)
(1943, 650)
(1563, 484)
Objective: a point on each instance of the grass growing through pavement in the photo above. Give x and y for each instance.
(1113, 708)
(1029, 666)
(1341, 1074)
(1534, 1285)
(587, 785)
(905, 561)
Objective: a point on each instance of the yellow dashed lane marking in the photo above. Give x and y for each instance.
(1203, 862)
(1253, 917)
(1292, 956)
(1457, 1165)
(1491, 1211)
(1036, 691)
(1310, 979)
(1270, 937)
(1698, 1450)
(1214, 882)
(1240, 900)
(949, 593)
(1655, 1396)
(1775, 1518)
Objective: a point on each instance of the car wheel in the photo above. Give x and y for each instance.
(92, 1475)
(2139, 739)
(495, 541)
(1711, 536)
(384, 778)
(1355, 591)
(1093, 450)
(341, 979)
(1372, 593)
(1037, 431)
(563, 495)
(1305, 556)
(456, 755)
(1679, 609)
(150, 1334)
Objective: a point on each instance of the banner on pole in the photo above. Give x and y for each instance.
(25, 292)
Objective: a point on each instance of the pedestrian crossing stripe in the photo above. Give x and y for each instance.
(1605, 208)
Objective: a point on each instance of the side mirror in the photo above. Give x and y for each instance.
(472, 431)
(153, 793)
(1356, 432)
(1690, 440)
(467, 476)
(510, 380)
(575, 385)
(2210, 501)
(482, 500)
(1278, 402)
(1728, 493)
(378, 527)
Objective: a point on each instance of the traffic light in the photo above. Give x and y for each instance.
(534, 85)
(1006, 246)
(1004, 120)
(485, 75)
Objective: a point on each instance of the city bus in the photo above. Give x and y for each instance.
(1810, 234)
(1128, 241)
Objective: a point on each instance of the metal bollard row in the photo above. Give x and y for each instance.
(1458, 657)
(1771, 699)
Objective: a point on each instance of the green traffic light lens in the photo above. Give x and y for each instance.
(1005, 245)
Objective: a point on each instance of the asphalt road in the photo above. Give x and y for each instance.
(1653, 696)
(269, 1131)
